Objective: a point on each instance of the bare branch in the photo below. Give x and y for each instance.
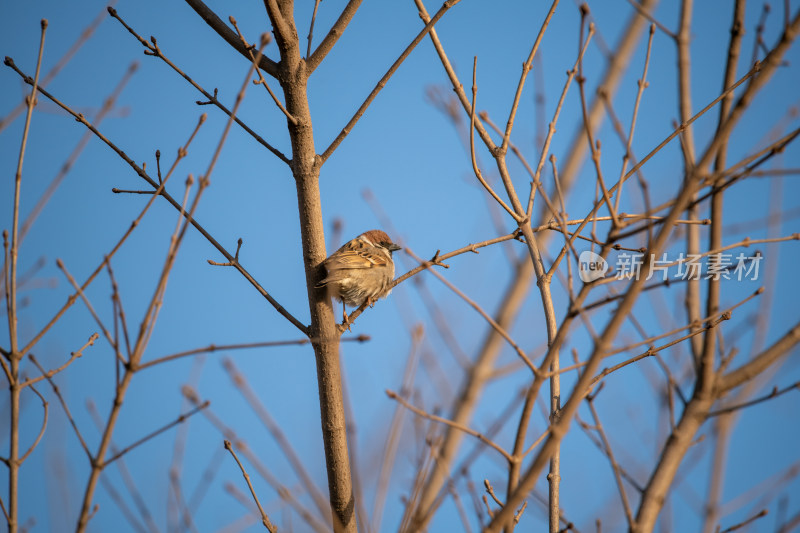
(244, 388)
(475, 168)
(460, 427)
(161, 192)
(311, 29)
(284, 493)
(526, 67)
(41, 430)
(773, 394)
(497, 327)
(224, 347)
(740, 525)
(153, 50)
(216, 23)
(108, 105)
(264, 518)
(181, 419)
(264, 38)
(314, 60)
(11, 255)
(642, 11)
(382, 83)
(64, 405)
(642, 84)
(760, 362)
(72, 357)
(614, 466)
(87, 32)
(82, 294)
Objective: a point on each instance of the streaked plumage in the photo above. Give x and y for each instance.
(361, 270)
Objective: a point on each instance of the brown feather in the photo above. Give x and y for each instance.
(361, 270)
(357, 259)
(376, 236)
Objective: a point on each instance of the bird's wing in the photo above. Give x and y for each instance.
(354, 259)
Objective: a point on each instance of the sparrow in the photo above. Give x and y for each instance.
(361, 270)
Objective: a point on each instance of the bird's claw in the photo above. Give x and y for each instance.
(345, 325)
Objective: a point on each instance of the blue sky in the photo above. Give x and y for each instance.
(407, 154)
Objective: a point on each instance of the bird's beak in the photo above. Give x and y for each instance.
(393, 247)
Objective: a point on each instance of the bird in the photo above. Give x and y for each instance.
(361, 270)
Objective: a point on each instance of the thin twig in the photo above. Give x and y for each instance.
(744, 243)
(642, 84)
(278, 435)
(10, 275)
(490, 491)
(125, 474)
(64, 405)
(283, 492)
(224, 347)
(41, 430)
(119, 311)
(216, 23)
(382, 83)
(87, 32)
(11, 287)
(153, 49)
(460, 427)
(264, 518)
(336, 31)
(752, 72)
(177, 508)
(475, 168)
(82, 294)
(709, 319)
(526, 67)
(5, 511)
(108, 105)
(760, 514)
(614, 465)
(773, 394)
(161, 192)
(486, 316)
(634, 4)
(311, 28)
(392, 441)
(551, 127)
(72, 357)
(265, 39)
(181, 419)
(594, 145)
(144, 334)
